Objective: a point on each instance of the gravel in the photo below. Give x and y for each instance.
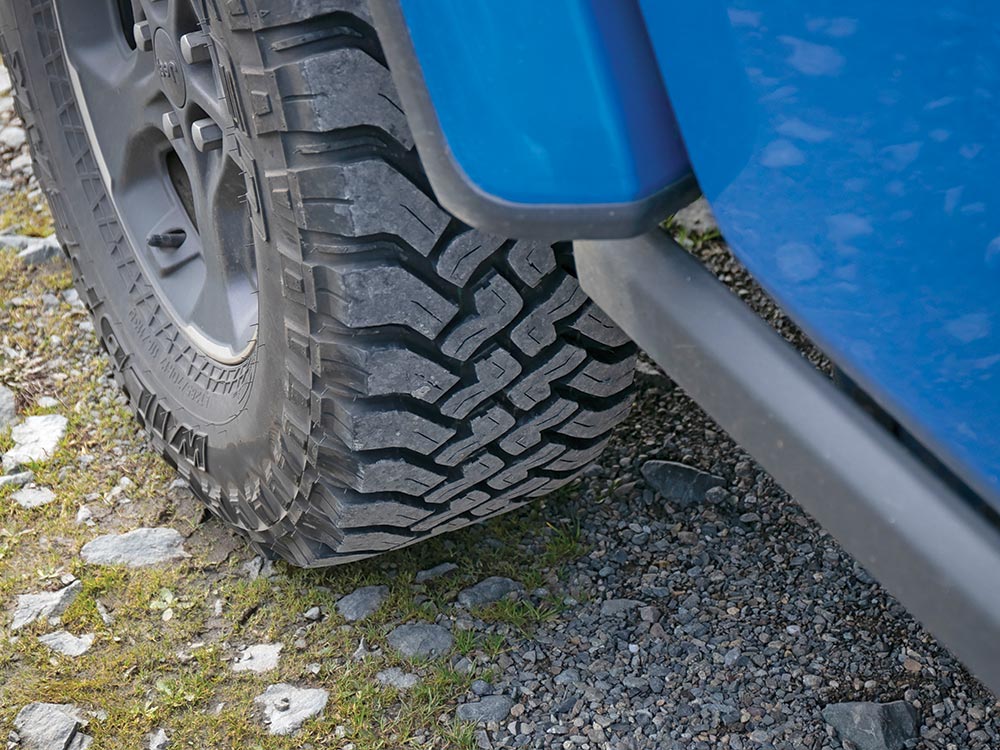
(8, 407)
(422, 640)
(286, 707)
(51, 726)
(33, 497)
(679, 484)
(262, 657)
(135, 549)
(490, 590)
(437, 571)
(874, 726)
(35, 439)
(362, 603)
(158, 740)
(397, 678)
(68, 644)
(490, 708)
(48, 604)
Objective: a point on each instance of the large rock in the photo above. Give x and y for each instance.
(135, 549)
(487, 591)
(31, 607)
(68, 644)
(491, 708)
(260, 658)
(8, 407)
(19, 479)
(35, 439)
(33, 497)
(362, 602)
(874, 726)
(679, 484)
(33, 251)
(421, 640)
(286, 707)
(51, 726)
(158, 740)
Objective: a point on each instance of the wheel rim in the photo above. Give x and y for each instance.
(149, 90)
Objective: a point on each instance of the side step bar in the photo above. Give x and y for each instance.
(924, 543)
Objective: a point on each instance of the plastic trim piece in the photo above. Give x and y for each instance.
(463, 198)
(929, 547)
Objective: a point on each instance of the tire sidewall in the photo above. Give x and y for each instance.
(213, 421)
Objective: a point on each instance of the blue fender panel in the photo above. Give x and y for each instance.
(851, 152)
(551, 116)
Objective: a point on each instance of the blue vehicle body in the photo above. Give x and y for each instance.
(849, 151)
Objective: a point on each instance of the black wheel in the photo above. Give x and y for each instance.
(337, 366)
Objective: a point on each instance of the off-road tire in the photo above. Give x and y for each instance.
(411, 375)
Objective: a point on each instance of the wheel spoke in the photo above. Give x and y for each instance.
(156, 115)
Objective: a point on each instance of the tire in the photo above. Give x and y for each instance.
(410, 375)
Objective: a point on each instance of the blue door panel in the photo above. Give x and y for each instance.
(851, 153)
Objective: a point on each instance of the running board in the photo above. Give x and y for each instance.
(927, 545)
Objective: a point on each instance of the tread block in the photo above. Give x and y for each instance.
(361, 199)
(538, 329)
(344, 88)
(385, 513)
(589, 423)
(518, 471)
(485, 429)
(532, 261)
(364, 296)
(264, 15)
(577, 458)
(372, 541)
(595, 324)
(464, 253)
(394, 475)
(535, 387)
(402, 371)
(497, 304)
(473, 472)
(604, 378)
(363, 428)
(462, 505)
(493, 372)
(530, 433)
